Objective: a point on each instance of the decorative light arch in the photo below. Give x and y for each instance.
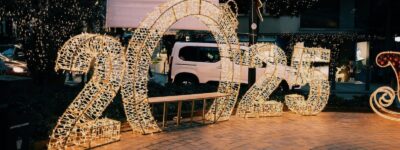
(221, 21)
(76, 55)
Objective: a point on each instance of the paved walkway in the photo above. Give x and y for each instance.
(328, 130)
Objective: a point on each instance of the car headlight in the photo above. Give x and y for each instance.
(18, 69)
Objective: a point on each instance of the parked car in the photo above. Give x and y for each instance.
(193, 63)
(12, 62)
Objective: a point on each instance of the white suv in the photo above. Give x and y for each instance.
(193, 63)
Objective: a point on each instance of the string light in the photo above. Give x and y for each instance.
(302, 59)
(43, 26)
(256, 103)
(76, 55)
(110, 69)
(95, 133)
(288, 7)
(222, 24)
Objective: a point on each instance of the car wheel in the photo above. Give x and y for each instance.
(283, 87)
(186, 81)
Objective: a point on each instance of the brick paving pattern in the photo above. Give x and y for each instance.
(328, 130)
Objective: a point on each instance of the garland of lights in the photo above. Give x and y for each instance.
(384, 96)
(288, 7)
(43, 26)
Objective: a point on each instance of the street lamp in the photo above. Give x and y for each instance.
(254, 20)
(397, 38)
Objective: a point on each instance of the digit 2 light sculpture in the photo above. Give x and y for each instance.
(384, 96)
(256, 103)
(83, 113)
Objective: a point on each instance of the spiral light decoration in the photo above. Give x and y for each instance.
(383, 97)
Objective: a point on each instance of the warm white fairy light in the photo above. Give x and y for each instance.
(221, 22)
(95, 133)
(256, 103)
(302, 60)
(43, 26)
(76, 55)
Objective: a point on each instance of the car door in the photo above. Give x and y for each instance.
(209, 64)
(186, 61)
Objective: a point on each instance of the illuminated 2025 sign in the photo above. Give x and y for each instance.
(116, 67)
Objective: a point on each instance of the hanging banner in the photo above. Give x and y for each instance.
(129, 13)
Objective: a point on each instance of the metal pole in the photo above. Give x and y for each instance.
(253, 31)
(204, 110)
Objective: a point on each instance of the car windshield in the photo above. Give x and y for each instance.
(11, 53)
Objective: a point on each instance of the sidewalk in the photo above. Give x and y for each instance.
(327, 130)
(348, 90)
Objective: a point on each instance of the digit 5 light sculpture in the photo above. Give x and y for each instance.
(384, 96)
(305, 73)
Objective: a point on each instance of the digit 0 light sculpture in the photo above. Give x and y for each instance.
(384, 96)
(256, 103)
(222, 23)
(302, 60)
(76, 55)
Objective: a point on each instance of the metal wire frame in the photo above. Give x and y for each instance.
(385, 96)
(222, 24)
(318, 96)
(256, 103)
(76, 55)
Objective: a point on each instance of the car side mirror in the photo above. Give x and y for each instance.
(20, 54)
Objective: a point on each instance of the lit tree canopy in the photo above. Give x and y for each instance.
(43, 25)
(277, 7)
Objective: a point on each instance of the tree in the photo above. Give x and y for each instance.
(42, 26)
